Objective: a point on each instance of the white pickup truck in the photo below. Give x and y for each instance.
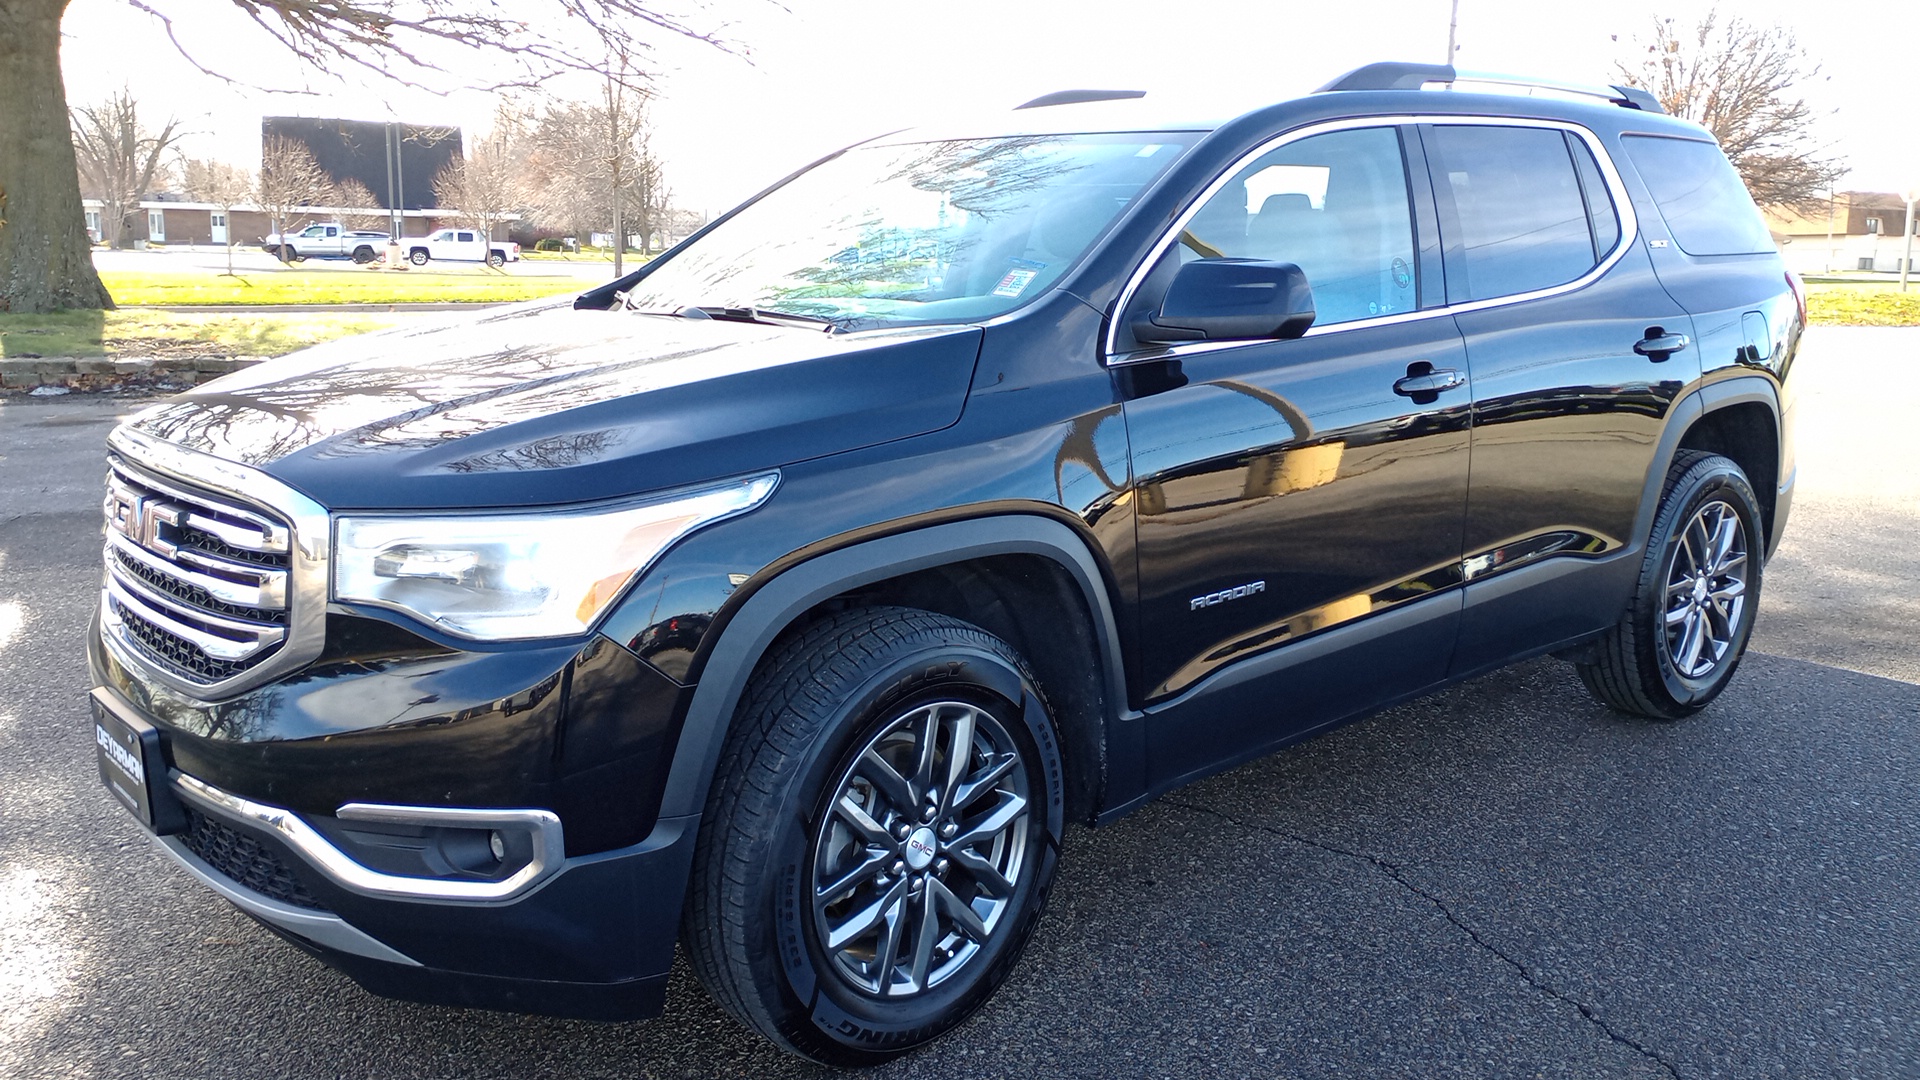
(327, 241)
(461, 245)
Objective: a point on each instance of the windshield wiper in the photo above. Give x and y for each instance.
(759, 315)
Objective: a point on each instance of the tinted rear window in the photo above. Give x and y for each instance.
(1522, 221)
(1700, 196)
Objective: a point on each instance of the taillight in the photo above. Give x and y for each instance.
(1799, 295)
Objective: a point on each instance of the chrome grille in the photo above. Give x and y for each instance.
(199, 583)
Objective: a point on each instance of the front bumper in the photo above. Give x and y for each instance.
(563, 754)
(593, 939)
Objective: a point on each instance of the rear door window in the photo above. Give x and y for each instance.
(1704, 202)
(1519, 220)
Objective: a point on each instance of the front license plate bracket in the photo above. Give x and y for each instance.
(133, 765)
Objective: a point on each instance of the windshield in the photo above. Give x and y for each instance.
(922, 232)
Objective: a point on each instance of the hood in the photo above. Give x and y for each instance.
(540, 404)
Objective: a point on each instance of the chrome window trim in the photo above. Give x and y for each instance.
(1616, 188)
(348, 873)
(308, 545)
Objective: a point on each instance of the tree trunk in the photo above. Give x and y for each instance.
(46, 259)
(619, 241)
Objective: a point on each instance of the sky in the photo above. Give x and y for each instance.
(820, 74)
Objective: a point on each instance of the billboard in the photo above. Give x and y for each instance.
(396, 161)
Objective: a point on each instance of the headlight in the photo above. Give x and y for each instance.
(525, 575)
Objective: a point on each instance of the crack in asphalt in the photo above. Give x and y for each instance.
(1393, 870)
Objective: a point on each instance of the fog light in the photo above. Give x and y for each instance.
(498, 845)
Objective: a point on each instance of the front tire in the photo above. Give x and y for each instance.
(1693, 608)
(880, 837)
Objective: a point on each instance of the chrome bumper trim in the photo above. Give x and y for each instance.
(330, 931)
(542, 825)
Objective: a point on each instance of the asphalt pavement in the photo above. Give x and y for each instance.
(1502, 880)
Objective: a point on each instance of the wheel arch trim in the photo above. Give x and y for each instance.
(751, 630)
(1686, 415)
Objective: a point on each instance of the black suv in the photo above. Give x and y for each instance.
(787, 597)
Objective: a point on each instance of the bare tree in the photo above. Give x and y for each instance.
(652, 198)
(592, 168)
(350, 195)
(45, 258)
(290, 181)
(1738, 80)
(222, 185)
(119, 158)
(486, 186)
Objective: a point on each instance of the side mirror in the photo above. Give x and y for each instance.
(1231, 299)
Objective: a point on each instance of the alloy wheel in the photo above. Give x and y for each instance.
(1706, 590)
(918, 855)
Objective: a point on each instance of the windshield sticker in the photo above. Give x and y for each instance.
(1019, 277)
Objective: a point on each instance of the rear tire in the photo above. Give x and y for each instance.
(363, 255)
(880, 837)
(1692, 611)
(419, 257)
(496, 260)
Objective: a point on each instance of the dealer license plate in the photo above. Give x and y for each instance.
(132, 765)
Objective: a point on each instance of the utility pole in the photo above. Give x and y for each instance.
(393, 192)
(1906, 258)
(400, 175)
(1453, 27)
(1830, 198)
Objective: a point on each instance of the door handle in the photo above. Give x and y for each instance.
(1658, 344)
(1429, 382)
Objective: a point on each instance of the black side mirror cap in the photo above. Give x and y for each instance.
(1228, 300)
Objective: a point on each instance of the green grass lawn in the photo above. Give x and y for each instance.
(181, 288)
(178, 334)
(1875, 303)
(185, 334)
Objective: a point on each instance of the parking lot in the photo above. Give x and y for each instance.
(1503, 880)
(249, 259)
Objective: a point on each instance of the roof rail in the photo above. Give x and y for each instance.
(1079, 97)
(1401, 76)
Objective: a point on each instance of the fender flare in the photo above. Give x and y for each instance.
(1687, 412)
(774, 606)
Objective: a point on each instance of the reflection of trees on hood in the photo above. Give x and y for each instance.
(261, 423)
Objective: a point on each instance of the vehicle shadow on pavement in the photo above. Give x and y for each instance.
(1503, 879)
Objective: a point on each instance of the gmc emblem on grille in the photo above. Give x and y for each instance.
(139, 518)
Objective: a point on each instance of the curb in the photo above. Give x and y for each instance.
(51, 377)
